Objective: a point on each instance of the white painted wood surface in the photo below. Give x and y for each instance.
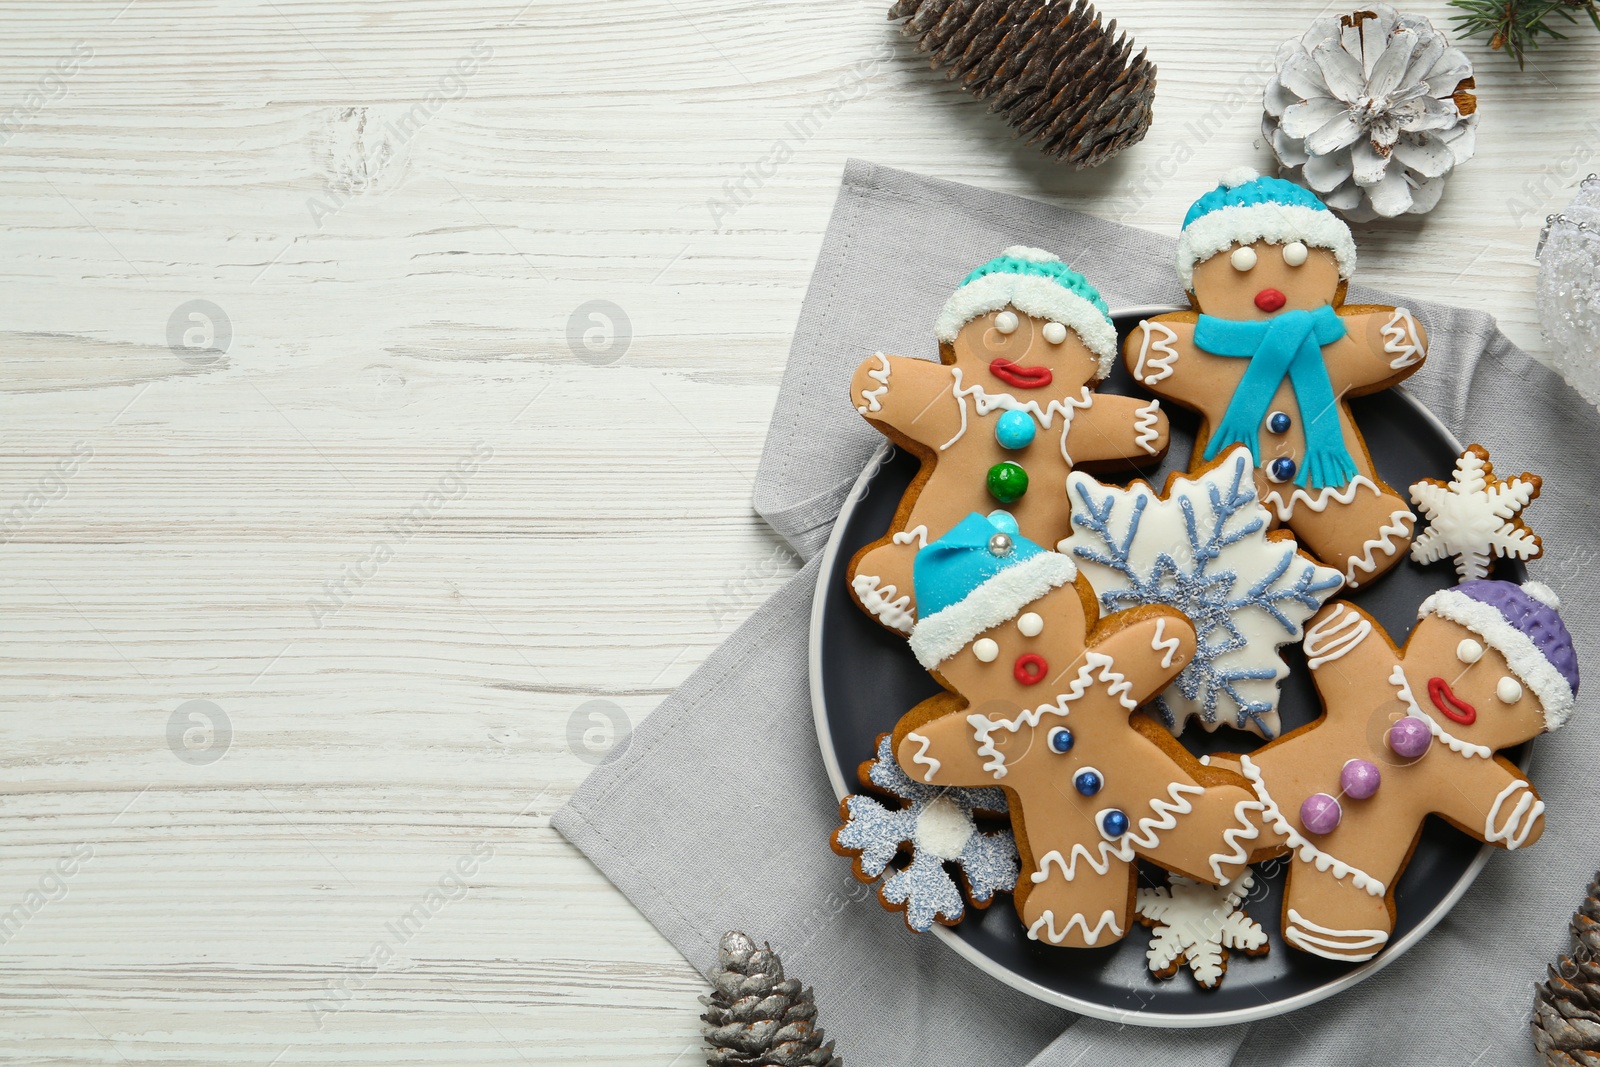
(398, 274)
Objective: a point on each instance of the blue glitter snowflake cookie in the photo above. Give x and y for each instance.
(1204, 547)
(936, 825)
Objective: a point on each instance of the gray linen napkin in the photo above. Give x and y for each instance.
(738, 738)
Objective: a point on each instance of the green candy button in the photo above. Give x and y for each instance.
(1007, 482)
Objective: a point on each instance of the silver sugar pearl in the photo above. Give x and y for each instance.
(1000, 545)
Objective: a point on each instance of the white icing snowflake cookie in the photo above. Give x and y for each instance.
(1475, 516)
(1204, 548)
(1199, 924)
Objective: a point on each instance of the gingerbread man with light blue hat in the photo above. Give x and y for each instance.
(1270, 357)
(1040, 698)
(1008, 411)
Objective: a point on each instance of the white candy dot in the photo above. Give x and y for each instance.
(1006, 322)
(1469, 651)
(986, 649)
(1244, 258)
(1295, 253)
(1030, 624)
(1509, 690)
(1054, 332)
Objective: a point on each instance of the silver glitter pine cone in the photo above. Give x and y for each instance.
(1061, 79)
(1371, 111)
(1568, 291)
(1566, 1006)
(755, 1017)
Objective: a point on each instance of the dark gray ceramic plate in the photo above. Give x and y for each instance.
(863, 678)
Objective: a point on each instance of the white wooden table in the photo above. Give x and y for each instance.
(409, 525)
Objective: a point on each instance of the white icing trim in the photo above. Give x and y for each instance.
(1402, 686)
(1543, 594)
(944, 633)
(1116, 686)
(1274, 223)
(1333, 637)
(986, 402)
(1307, 852)
(1526, 661)
(1319, 502)
(921, 756)
(1048, 921)
(1170, 646)
(1402, 340)
(1109, 850)
(918, 533)
(1035, 295)
(881, 376)
(1144, 425)
(1399, 525)
(1161, 367)
(1246, 830)
(882, 603)
(1145, 837)
(1295, 932)
(1522, 817)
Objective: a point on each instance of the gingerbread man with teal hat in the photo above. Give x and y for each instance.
(1008, 411)
(1270, 356)
(1040, 698)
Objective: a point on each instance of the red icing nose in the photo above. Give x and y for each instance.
(1270, 300)
(1030, 668)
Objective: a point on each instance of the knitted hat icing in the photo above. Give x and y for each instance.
(1523, 624)
(1246, 208)
(1037, 283)
(976, 576)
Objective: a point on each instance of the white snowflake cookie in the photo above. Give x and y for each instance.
(1199, 924)
(1475, 516)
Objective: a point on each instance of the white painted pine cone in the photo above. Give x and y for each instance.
(1371, 111)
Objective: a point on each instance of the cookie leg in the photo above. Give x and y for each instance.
(1088, 910)
(882, 583)
(1330, 917)
(1362, 538)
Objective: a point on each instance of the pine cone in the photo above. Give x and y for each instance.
(1566, 1007)
(755, 1017)
(1061, 79)
(1372, 112)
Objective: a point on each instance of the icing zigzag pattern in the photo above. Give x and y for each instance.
(1090, 936)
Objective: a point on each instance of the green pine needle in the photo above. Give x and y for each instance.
(1517, 25)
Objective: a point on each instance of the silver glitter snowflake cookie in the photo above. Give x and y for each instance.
(1205, 549)
(936, 825)
(1198, 925)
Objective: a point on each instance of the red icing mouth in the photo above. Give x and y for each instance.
(1020, 377)
(1454, 708)
(1030, 668)
(1270, 300)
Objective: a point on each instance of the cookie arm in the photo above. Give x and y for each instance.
(944, 751)
(894, 391)
(1158, 353)
(1381, 346)
(1348, 652)
(1493, 801)
(1118, 427)
(1147, 647)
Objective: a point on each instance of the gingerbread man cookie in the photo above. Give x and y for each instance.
(1407, 732)
(1270, 356)
(1040, 703)
(1010, 408)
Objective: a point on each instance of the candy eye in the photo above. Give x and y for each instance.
(986, 649)
(1054, 332)
(1469, 651)
(1295, 253)
(1006, 322)
(1243, 258)
(1509, 690)
(1030, 624)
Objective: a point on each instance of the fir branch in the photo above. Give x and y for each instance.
(1515, 26)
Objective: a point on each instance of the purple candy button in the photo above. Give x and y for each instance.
(1360, 779)
(1410, 737)
(1320, 813)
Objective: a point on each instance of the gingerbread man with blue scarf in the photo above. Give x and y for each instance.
(1270, 356)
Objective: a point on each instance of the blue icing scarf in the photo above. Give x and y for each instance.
(1289, 345)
